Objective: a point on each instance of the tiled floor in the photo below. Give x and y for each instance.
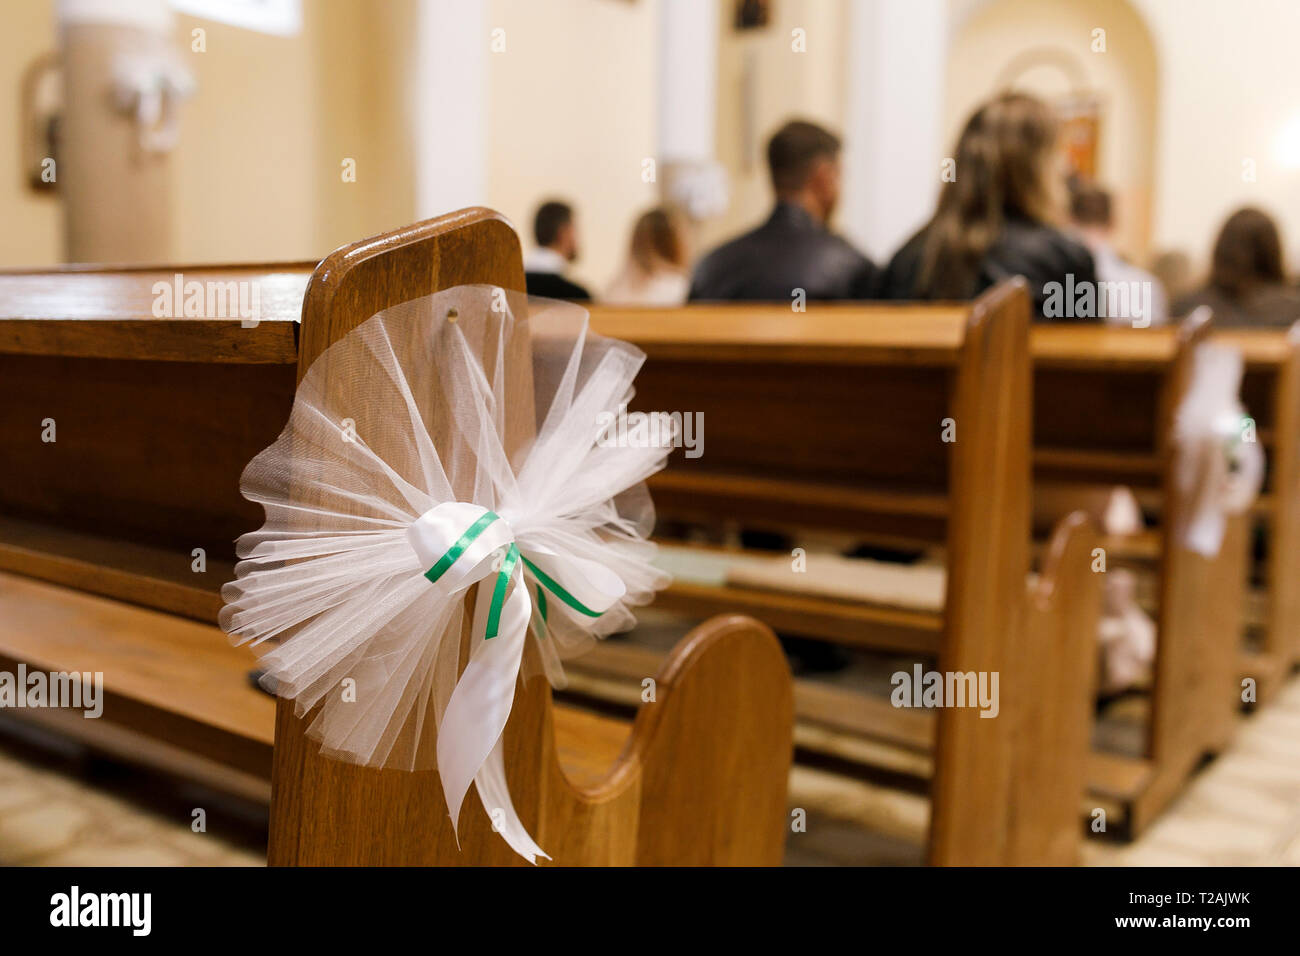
(63, 809)
(1243, 808)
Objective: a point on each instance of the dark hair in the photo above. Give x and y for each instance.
(794, 149)
(1089, 203)
(1247, 253)
(552, 216)
(1003, 165)
(657, 239)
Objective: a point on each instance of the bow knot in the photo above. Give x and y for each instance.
(462, 545)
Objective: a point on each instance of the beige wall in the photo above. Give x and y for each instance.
(259, 166)
(1053, 42)
(244, 169)
(572, 115)
(1230, 83)
(257, 171)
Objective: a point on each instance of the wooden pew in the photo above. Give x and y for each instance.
(1105, 401)
(115, 538)
(834, 419)
(155, 419)
(1271, 392)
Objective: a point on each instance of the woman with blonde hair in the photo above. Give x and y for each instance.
(999, 215)
(655, 272)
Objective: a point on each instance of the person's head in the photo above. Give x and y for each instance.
(554, 228)
(657, 241)
(1247, 254)
(1008, 165)
(1173, 268)
(1090, 209)
(804, 160)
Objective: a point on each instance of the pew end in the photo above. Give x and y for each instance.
(729, 675)
(702, 778)
(1062, 608)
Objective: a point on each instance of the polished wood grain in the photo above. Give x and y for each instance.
(164, 676)
(1199, 619)
(147, 452)
(988, 561)
(1061, 657)
(823, 334)
(1104, 409)
(137, 573)
(108, 313)
(1103, 405)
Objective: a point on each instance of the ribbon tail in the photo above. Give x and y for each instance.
(480, 705)
(490, 782)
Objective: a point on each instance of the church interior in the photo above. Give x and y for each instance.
(941, 505)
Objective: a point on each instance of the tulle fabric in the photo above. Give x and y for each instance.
(1219, 464)
(473, 394)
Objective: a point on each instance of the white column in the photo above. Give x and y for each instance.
(688, 80)
(687, 107)
(450, 105)
(893, 120)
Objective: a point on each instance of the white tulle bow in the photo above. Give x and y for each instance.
(1219, 464)
(445, 444)
(463, 545)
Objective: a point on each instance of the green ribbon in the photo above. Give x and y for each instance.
(453, 553)
(512, 558)
(559, 592)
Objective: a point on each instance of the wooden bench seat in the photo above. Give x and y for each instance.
(174, 679)
(164, 676)
(705, 581)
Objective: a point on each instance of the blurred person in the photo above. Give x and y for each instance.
(1247, 285)
(1174, 270)
(998, 217)
(1093, 218)
(655, 272)
(794, 249)
(556, 234)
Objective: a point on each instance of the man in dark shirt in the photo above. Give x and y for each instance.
(557, 246)
(793, 250)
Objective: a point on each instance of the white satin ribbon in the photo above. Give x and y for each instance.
(470, 732)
